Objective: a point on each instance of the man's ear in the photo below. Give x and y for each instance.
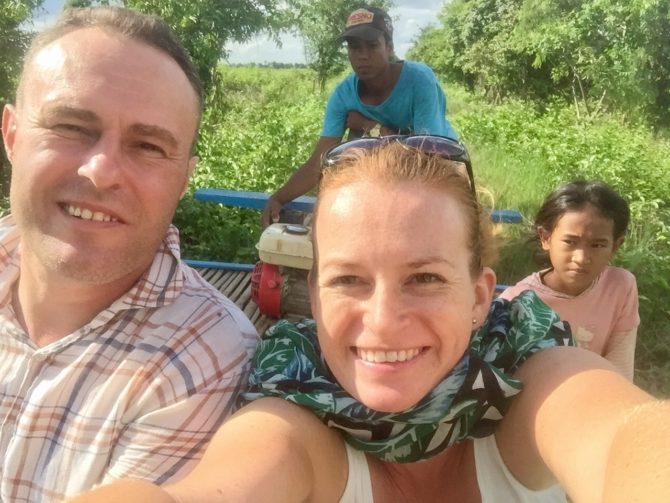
(9, 130)
(192, 163)
(485, 285)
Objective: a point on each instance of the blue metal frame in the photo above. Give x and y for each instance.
(229, 266)
(257, 200)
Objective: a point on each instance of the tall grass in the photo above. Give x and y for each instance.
(521, 154)
(261, 124)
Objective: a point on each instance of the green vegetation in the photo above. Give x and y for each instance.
(600, 54)
(261, 123)
(542, 92)
(594, 78)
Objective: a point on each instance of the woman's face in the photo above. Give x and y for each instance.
(393, 298)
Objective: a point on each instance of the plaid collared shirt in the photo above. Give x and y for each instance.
(137, 392)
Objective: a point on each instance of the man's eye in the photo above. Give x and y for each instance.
(71, 129)
(151, 148)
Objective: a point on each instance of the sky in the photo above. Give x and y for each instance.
(409, 17)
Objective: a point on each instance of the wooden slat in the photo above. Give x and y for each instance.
(236, 285)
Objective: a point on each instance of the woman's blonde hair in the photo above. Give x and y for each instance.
(392, 163)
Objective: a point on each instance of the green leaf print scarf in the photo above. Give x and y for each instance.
(468, 402)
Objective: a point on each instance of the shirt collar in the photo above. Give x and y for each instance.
(160, 284)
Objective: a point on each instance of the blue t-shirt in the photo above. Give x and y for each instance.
(416, 104)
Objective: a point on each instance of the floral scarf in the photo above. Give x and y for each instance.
(467, 403)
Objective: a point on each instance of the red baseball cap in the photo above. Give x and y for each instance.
(368, 23)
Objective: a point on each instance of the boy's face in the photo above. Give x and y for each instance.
(369, 58)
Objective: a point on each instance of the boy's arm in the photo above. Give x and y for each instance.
(304, 179)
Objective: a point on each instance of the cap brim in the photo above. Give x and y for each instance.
(364, 32)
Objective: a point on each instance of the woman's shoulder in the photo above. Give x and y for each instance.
(293, 422)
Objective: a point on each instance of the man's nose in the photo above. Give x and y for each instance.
(103, 165)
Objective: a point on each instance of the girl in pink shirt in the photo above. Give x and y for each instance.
(579, 228)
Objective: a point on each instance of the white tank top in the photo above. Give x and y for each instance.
(496, 483)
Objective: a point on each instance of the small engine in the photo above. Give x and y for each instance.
(279, 280)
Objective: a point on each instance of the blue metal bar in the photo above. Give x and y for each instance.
(247, 199)
(211, 264)
(506, 217)
(257, 200)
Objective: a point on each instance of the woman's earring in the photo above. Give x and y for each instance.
(474, 321)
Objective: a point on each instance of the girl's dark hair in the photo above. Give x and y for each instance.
(574, 196)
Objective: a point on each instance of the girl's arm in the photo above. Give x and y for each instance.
(620, 351)
(269, 451)
(574, 408)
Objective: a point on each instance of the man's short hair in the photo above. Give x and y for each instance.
(145, 28)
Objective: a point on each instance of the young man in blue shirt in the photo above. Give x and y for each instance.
(382, 96)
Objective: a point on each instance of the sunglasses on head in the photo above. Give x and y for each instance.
(428, 144)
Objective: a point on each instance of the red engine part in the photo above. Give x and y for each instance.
(266, 287)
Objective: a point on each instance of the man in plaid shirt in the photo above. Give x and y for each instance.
(117, 360)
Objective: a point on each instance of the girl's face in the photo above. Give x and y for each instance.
(393, 298)
(580, 247)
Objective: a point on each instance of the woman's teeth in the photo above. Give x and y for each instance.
(376, 356)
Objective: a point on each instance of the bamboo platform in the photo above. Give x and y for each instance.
(236, 285)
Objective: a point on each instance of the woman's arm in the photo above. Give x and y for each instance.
(565, 422)
(639, 461)
(125, 490)
(269, 451)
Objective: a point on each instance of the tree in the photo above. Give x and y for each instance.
(613, 52)
(205, 26)
(13, 43)
(596, 53)
(319, 23)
